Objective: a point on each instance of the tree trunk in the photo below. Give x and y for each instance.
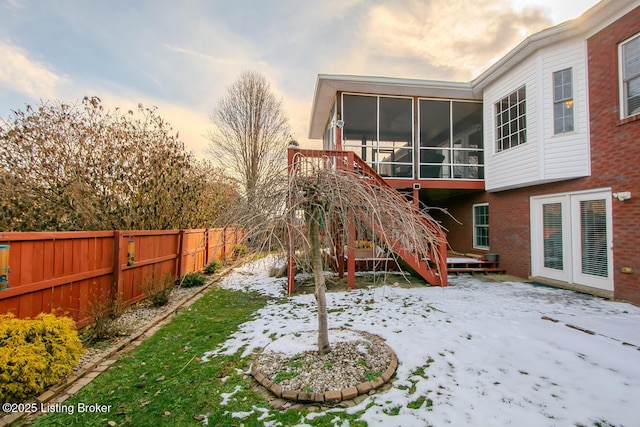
(320, 286)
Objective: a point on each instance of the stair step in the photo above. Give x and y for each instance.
(468, 264)
(473, 270)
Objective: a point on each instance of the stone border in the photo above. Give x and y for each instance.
(331, 396)
(92, 369)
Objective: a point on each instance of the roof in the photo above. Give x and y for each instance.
(328, 85)
(585, 25)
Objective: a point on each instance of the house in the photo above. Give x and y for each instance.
(536, 158)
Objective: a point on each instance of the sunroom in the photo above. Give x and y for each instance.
(417, 134)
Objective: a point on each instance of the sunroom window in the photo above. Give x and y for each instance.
(630, 79)
(450, 139)
(380, 130)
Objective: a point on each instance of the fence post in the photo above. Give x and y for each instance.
(206, 247)
(180, 251)
(224, 244)
(117, 265)
(351, 251)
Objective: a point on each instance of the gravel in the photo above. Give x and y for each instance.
(348, 364)
(136, 317)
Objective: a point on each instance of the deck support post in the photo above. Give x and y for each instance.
(351, 251)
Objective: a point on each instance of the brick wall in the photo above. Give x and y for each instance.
(615, 163)
(460, 223)
(616, 149)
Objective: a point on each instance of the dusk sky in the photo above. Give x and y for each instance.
(180, 56)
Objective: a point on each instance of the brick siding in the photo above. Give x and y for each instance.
(615, 163)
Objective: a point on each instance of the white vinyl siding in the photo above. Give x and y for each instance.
(566, 155)
(518, 165)
(546, 157)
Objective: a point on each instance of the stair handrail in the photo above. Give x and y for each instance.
(350, 161)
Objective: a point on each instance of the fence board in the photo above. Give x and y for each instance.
(48, 260)
(216, 244)
(70, 271)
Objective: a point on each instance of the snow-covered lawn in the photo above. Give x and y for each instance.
(475, 353)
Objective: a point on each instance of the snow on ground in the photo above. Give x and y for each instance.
(488, 356)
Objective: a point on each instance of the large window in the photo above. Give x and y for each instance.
(380, 130)
(481, 226)
(450, 139)
(562, 101)
(511, 120)
(630, 76)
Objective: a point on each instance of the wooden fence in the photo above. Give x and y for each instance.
(71, 271)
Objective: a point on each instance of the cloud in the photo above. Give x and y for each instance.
(451, 34)
(20, 73)
(204, 56)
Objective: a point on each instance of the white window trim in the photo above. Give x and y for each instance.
(622, 100)
(563, 100)
(473, 213)
(495, 121)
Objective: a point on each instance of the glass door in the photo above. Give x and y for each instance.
(550, 250)
(592, 239)
(571, 238)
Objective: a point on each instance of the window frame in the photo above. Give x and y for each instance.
(378, 146)
(458, 153)
(623, 78)
(476, 245)
(567, 102)
(505, 138)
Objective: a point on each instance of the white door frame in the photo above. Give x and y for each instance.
(571, 238)
(537, 239)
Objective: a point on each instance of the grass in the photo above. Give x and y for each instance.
(163, 382)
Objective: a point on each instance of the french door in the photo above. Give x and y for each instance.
(571, 238)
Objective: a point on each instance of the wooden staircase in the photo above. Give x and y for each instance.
(431, 266)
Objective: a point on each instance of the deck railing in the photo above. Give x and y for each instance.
(431, 266)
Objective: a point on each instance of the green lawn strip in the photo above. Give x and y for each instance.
(163, 374)
(162, 383)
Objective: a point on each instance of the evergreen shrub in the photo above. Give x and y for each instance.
(35, 354)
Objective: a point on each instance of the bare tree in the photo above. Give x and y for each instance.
(313, 210)
(80, 167)
(250, 133)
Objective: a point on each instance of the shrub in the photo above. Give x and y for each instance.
(105, 313)
(35, 353)
(130, 170)
(192, 280)
(158, 294)
(240, 250)
(213, 267)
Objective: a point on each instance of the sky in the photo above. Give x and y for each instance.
(489, 352)
(181, 56)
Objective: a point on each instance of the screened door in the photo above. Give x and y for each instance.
(571, 238)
